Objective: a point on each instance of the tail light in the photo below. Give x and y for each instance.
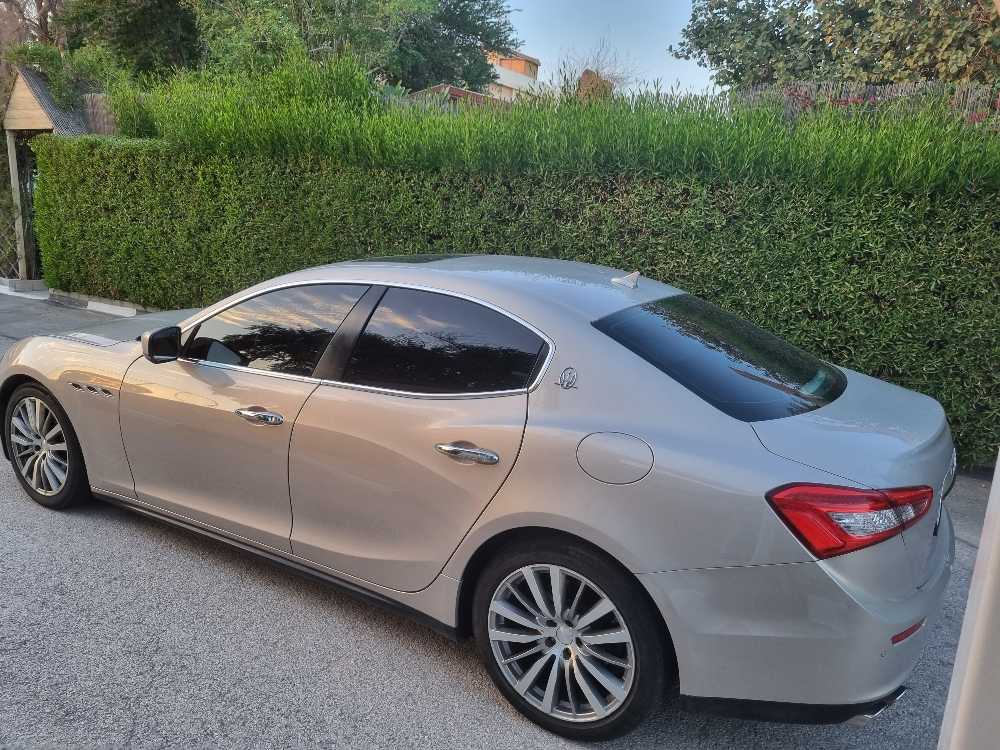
(833, 521)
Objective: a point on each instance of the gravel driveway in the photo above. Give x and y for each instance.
(119, 631)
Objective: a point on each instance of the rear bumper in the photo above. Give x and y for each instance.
(808, 642)
(857, 714)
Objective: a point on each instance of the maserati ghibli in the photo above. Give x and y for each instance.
(612, 486)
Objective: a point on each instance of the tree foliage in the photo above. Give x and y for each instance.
(241, 35)
(65, 71)
(449, 46)
(870, 41)
(148, 36)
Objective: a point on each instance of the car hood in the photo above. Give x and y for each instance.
(126, 329)
(880, 436)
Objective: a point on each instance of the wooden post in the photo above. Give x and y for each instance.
(15, 187)
(971, 720)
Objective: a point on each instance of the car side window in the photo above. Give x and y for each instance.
(285, 331)
(426, 342)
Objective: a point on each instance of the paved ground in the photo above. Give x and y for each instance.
(117, 631)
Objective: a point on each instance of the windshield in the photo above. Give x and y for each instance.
(735, 366)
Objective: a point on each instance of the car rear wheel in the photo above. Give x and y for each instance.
(43, 449)
(570, 639)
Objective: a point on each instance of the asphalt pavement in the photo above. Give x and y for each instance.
(117, 631)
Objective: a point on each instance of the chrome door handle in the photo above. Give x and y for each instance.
(260, 417)
(474, 455)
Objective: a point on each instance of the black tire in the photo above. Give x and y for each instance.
(654, 667)
(75, 487)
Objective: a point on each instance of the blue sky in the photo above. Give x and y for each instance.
(642, 28)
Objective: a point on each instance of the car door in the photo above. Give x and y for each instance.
(390, 466)
(207, 436)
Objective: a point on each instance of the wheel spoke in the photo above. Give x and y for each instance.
(529, 652)
(558, 580)
(596, 612)
(56, 470)
(524, 602)
(532, 674)
(542, 601)
(22, 426)
(60, 461)
(36, 480)
(513, 636)
(505, 609)
(20, 439)
(605, 656)
(576, 601)
(50, 435)
(611, 683)
(589, 691)
(28, 463)
(568, 679)
(606, 636)
(36, 422)
(550, 687)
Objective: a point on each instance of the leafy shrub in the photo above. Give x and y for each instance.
(900, 286)
(331, 111)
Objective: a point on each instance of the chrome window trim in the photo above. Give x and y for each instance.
(372, 389)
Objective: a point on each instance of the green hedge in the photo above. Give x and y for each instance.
(906, 289)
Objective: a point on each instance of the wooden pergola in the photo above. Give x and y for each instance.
(31, 110)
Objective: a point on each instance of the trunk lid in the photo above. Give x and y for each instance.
(880, 436)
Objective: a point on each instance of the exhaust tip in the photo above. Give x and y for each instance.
(877, 707)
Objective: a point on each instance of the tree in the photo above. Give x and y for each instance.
(870, 41)
(450, 46)
(149, 36)
(616, 69)
(241, 34)
(31, 21)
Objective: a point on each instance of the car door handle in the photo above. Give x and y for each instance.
(258, 416)
(473, 455)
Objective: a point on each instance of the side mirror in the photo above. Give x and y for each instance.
(162, 344)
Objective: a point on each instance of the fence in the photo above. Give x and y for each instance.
(974, 102)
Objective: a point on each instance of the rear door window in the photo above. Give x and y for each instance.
(735, 366)
(285, 331)
(424, 342)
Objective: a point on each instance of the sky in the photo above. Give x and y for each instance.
(642, 28)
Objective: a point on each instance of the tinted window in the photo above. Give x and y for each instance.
(282, 331)
(732, 364)
(433, 343)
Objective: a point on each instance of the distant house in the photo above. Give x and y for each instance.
(453, 94)
(31, 110)
(517, 75)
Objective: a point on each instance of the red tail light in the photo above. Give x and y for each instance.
(833, 521)
(900, 637)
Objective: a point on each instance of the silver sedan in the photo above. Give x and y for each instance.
(610, 484)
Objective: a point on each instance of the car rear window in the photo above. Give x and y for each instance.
(424, 342)
(735, 366)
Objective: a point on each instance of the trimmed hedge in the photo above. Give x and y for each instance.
(903, 288)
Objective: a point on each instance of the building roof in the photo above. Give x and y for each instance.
(521, 56)
(454, 93)
(65, 120)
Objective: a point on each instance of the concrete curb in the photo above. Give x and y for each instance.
(99, 304)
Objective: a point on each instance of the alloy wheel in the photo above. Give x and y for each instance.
(38, 445)
(561, 643)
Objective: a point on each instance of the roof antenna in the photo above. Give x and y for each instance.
(631, 281)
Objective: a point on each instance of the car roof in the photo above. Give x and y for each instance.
(504, 280)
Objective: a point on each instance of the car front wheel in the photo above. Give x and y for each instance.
(43, 449)
(570, 639)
